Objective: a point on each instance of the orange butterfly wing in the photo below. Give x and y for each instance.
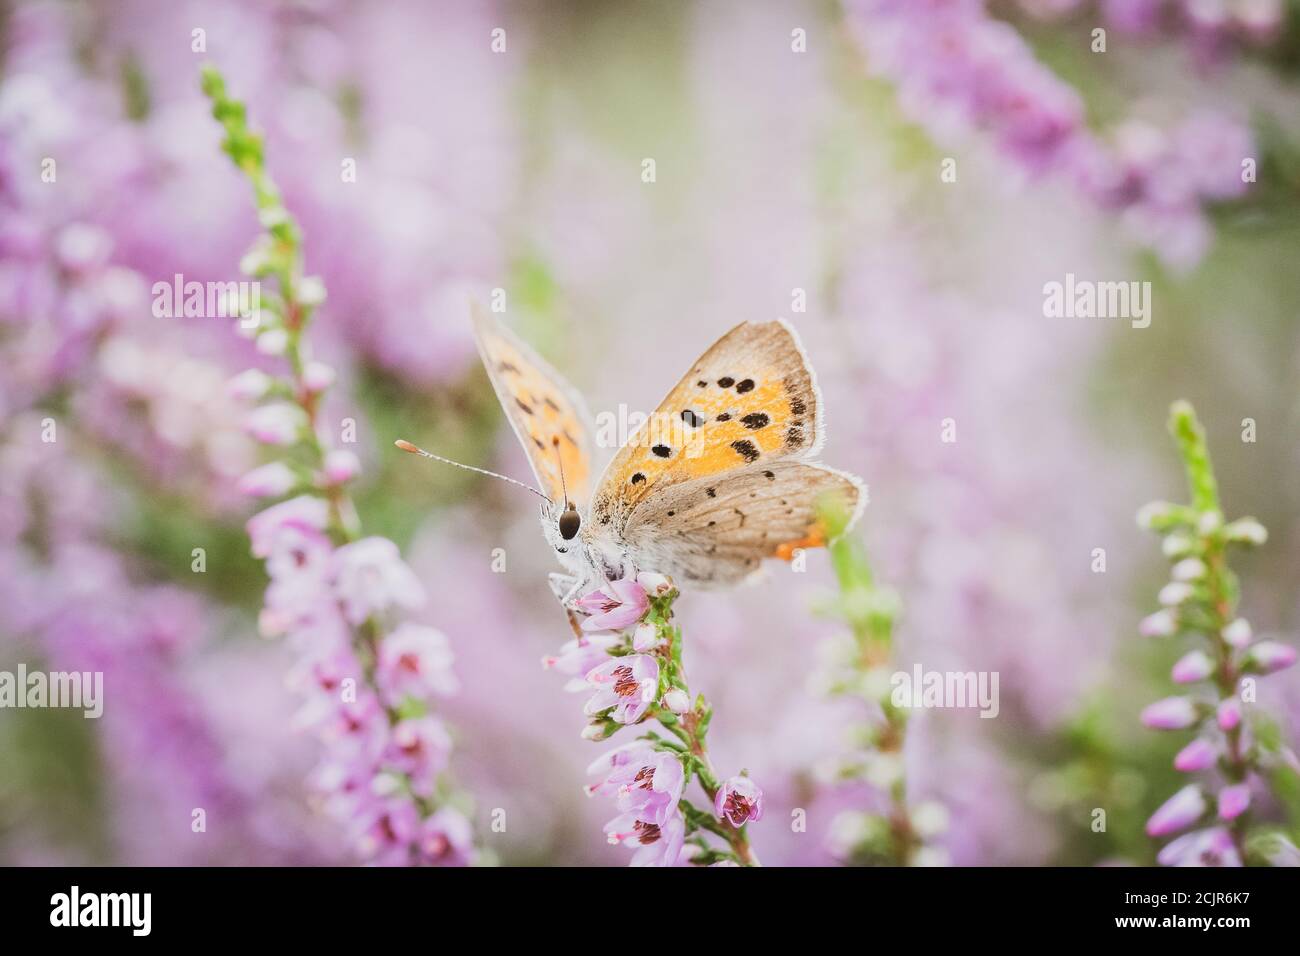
(547, 414)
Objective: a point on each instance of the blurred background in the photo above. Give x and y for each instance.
(800, 153)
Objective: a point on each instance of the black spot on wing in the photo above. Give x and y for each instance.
(745, 385)
(755, 420)
(524, 406)
(745, 448)
(724, 417)
(726, 381)
(638, 478)
(662, 451)
(797, 406)
(692, 418)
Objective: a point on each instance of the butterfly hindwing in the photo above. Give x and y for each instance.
(751, 399)
(548, 416)
(714, 533)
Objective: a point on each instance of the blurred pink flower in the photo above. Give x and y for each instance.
(419, 747)
(446, 839)
(1267, 657)
(1200, 754)
(1210, 847)
(1178, 812)
(267, 481)
(1172, 713)
(1192, 667)
(1229, 714)
(304, 513)
(1233, 801)
(415, 661)
(370, 576)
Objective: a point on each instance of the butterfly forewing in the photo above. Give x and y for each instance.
(547, 414)
(751, 399)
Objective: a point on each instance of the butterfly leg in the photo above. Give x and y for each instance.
(565, 587)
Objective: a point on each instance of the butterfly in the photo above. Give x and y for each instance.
(717, 479)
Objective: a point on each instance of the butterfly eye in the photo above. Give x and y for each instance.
(569, 523)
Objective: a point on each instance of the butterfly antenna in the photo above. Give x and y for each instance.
(417, 450)
(564, 488)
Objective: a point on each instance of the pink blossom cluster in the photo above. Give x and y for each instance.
(959, 71)
(1212, 28)
(366, 691)
(1199, 602)
(631, 677)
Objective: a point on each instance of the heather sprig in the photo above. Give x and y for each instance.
(367, 674)
(629, 651)
(899, 835)
(1200, 604)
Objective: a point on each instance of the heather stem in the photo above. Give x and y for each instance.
(692, 729)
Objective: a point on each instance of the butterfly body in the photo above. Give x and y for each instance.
(719, 477)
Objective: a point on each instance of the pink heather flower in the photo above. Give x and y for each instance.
(1269, 656)
(1238, 633)
(1233, 801)
(267, 481)
(738, 801)
(414, 661)
(317, 376)
(388, 829)
(657, 845)
(1192, 667)
(1175, 593)
(614, 766)
(420, 748)
(356, 727)
(341, 466)
(1212, 847)
(578, 656)
(650, 787)
(1172, 713)
(370, 576)
(302, 513)
(1189, 569)
(278, 423)
(1159, 624)
(1229, 714)
(249, 385)
(625, 684)
(614, 606)
(1200, 754)
(1181, 810)
(446, 839)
